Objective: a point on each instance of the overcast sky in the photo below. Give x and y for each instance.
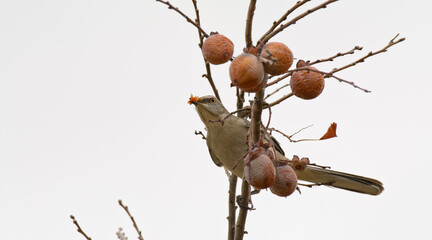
(93, 108)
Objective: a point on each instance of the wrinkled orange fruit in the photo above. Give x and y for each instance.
(307, 84)
(260, 172)
(217, 49)
(279, 55)
(247, 73)
(285, 182)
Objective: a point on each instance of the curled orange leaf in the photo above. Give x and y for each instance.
(331, 132)
(193, 99)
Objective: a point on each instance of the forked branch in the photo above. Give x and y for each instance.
(170, 6)
(293, 21)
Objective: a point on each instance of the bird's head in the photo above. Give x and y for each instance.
(209, 108)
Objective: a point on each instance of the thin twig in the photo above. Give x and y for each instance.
(200, 133)
(289, 137)
(140, 237)
(287, 74)
(293, 21)
(370, 54)
(339, 54)
(201, 36)
(250, 14)
(79, 229)
(170, 6)
(277, 90)
(232, 206)
(281, 19)
(279, 100)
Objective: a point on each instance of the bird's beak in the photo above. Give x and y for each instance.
(193, 100)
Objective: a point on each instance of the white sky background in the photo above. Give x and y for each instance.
(93, 109)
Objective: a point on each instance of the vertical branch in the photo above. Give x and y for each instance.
(256, 119)
(248, 32)
(232, 206)
(243, 204)
(201, 35)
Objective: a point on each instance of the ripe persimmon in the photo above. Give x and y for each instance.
(217, 49)
(307, 84)
(280, 58)
(247, 73)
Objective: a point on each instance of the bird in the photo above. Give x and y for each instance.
(227, 142)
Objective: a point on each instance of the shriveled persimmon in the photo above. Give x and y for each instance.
(279, 56)
(247, 73)
(308, 83)
(217, 49)
(286, 180)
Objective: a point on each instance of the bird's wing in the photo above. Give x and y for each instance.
(215, 159)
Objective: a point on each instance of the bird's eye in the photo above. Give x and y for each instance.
(212, 100)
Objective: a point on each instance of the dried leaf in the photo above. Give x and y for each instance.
(193, 99)
(331, 132)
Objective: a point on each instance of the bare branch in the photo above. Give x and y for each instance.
(248, 32)
(208, 74)
(256, 115)
(243, 204)
(283, 18)
(340, 54)
(279, 100)
(170, 6)
(293, 21)
(277, 90)
(79, 229)
(140, 237)
(287, 74)
(232, 206)
(370, 54)
(200, 133)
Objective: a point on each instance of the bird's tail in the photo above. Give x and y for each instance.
(341, 180)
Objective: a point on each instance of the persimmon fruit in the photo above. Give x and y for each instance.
(280, 58)
(247, 73)
(217, 49)
(307, 84)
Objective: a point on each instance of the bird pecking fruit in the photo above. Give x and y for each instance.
(280, 58)
(247, 73)
(217, 49)
(306, 84)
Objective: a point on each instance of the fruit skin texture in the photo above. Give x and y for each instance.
(260, 172)
(281, 53)
(247, 72)
(285, 182)
(307, 84)
(217, 49)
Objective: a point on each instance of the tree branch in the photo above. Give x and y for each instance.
(293, 21)
(208, 74)
(79, 228)
(283, 18)
(370, 54)
(248, 32)
(170, 6)
(140, 237)
(232, 206)
(243, 204)
(340, 54)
